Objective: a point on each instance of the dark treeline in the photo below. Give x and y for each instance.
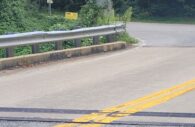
(158, 8)
(71, 5)
(141, 8)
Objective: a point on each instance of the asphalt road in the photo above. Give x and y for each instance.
(163, 35)
(74, 87)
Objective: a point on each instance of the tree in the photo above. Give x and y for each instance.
(89, 13)
(12, 15)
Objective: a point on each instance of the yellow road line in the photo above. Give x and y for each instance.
(135, 109)
(109, 115)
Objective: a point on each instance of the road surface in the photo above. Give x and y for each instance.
(69, 89)
(163, 35)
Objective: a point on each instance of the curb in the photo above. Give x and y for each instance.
(27, 60)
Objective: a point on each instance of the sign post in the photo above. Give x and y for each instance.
(49, 7)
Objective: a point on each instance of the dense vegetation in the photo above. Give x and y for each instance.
(31, 15)
(25, 15)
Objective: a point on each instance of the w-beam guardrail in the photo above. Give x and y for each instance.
(58, 37)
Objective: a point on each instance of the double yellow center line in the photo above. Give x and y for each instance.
(111, 114)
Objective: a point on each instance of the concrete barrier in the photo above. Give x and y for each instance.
(27, 60)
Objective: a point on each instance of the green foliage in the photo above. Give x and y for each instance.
(108, 17)
(126, 38)
(65, 25)
(87, 42)
(92, 14)
(59, 26)
(102, 39)
(23, 50)
(42, 21)
(89, 13)
(47, 47)
(68, 44)
(24, 15)
(12, 16)
(126, 17)
(2, 53)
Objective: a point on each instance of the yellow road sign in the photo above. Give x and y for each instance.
(71, 15)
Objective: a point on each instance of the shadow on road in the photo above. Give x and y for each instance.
(77, 111)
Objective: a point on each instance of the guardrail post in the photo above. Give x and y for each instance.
(77, 42)
(35, 48)
(96, 40)
(111, 38)
(35, 39)
(59, 45)
(10, 52)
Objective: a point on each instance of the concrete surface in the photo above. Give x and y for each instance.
(99, 81)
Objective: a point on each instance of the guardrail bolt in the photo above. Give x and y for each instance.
(96, 40)
(10, 52)
(35, 48)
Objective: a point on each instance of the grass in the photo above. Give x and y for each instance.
(126, 38)
(173, 20)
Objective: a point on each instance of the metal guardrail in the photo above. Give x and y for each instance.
(35, 38)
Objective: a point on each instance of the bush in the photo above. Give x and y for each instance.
(90, 13)
(108, 17)
(2, 53)
(47, 47)
(69, 44)
(126, 38)
(22, 50)
(126, 17)
(59, 26)
(86, 42)
(65, 25)
(103, 39)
